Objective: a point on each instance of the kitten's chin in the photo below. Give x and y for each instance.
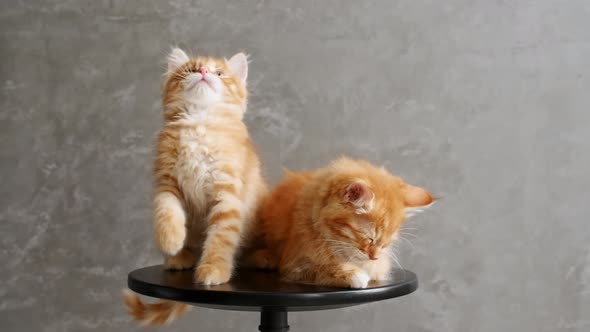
(202, 88)
(202, 93)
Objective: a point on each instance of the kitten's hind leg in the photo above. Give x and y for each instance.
(224, 230)
(185, 259)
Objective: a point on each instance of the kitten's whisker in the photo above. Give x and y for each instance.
(405, 231)
(408, 233)
(407, 241)
(337, 241)
(339, 245)
(356, 257)
(394, 258)
(396, 262)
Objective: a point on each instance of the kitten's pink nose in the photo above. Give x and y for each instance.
(203, 70)
(373, 253)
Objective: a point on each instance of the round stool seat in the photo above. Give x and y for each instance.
(255, 290)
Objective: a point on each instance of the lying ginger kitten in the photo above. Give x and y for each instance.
(334, 226)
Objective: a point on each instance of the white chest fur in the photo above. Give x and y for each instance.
(195, 163)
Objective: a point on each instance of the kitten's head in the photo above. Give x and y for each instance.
(361, 207)
(205, 80)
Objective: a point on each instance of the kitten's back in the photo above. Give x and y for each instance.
(277, 211)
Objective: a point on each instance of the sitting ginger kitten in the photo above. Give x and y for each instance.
(208, 183)
(333, 226)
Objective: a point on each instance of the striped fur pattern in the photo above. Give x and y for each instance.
(207, 174)
(346, 215)
(153, 313)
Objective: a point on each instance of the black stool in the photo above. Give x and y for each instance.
(252, 290)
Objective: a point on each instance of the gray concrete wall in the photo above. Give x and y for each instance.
(484, 102)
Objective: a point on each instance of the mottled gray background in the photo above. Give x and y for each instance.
(486, 103)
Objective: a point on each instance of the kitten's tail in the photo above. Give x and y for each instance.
(158, 313)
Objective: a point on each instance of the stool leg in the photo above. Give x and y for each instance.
(273, 319)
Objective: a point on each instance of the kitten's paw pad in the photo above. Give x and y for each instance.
(183, 261)
(209, 274)
(359, 279)
(170, 239)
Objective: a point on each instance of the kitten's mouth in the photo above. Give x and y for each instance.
(203, 80)
(200, 84)
(199, 81)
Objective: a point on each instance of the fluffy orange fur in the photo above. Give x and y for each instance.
(336, 225)
(207, 175)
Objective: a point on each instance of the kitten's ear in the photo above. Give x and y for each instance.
(415, 199)
(360, 196)
(176, 58)
(239, 65)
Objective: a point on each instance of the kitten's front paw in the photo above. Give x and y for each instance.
(359, 279)
(170, 238)
(209, 274)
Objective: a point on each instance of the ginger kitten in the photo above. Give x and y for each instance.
(207, 174)
(334, 226)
